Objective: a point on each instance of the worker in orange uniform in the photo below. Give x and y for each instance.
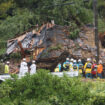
(100, 69)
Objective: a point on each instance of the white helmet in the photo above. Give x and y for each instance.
(100, 61)
(8, 62)
(24, 59)
(67, 59)
(71, 59)
(88, 59)
(79, 60)
(33, 61)
(74, 61)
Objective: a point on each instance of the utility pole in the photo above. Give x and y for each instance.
(96, 29)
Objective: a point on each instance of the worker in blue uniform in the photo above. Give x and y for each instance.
(75, 66)
(66, 64)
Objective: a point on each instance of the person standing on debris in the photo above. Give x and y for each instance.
(94, 69)
(33, 68)
(58, 68)
(80, 66)
(88, 68)
(100, 69)
(66, 64)
(6, 71)
(23, 67)
(75, 66)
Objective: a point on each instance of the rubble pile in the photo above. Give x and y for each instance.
(56, 45)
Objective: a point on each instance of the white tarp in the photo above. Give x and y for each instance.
(60, 74)
(4, 77)
(70, 74)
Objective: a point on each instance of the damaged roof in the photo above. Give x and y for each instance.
(29, 40)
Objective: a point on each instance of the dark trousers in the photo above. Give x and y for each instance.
(99, 75)
(94, 76)
(88, 75)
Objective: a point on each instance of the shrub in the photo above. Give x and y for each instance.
(45, 88)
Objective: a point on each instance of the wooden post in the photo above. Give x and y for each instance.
(96, 28)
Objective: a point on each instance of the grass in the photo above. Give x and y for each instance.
(2, 51)
(98, 88)
(55, 47)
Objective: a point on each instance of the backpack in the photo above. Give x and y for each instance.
(88, 66)
(67, 65)
(80, 66)
(95, 68)
(75, 66)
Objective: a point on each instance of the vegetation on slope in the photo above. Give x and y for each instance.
(17, 16)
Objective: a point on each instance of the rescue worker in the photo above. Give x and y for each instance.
(75, 66)
(100, 69)
(33, 68)
(66, 65)
(23, 68)
(94, 69)
(88, 68)
(80, 66)
(71, 64)
(7, 68)
(58, 68)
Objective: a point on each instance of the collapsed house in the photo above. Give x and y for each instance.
(51, 45)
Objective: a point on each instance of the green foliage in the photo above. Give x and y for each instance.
(17, 16)
(16, 25)
(2, 50)
(3, 44)
(101, 25)
(43, 88)
(1, 68)
(74, 31)
(46, 89)
(5, 9)
(57, 47)
(16, 56)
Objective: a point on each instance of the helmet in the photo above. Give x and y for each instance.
(33, 61)
(8, 62)
(1, 60)
(100, 61)
(94, 60)
(74, 61)
(88, 59)
(79, 60)
(24, 59)
(71, 59)
(67, 58)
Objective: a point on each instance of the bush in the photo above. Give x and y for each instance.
(74, 31)
(45, 88)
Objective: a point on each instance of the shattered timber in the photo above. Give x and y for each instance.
(50, 44)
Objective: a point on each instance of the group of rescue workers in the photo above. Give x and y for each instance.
(24, 68)
(90, 69)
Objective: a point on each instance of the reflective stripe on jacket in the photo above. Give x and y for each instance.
(87, 70)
